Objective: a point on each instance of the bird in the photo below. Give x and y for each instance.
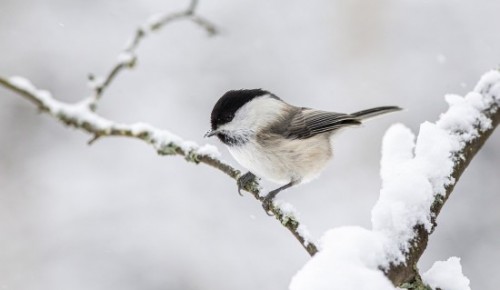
(285, 144)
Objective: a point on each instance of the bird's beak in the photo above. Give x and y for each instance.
(211, 133)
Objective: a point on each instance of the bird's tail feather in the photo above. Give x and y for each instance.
(370, 113)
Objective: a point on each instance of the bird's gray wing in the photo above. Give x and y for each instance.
(305, 123)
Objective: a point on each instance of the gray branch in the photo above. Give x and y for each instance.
(128, 58)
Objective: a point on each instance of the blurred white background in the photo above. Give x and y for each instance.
(116, 216)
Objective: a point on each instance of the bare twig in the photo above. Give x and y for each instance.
(128, 58)
(80, 116)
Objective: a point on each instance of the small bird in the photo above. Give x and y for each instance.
(272, 139)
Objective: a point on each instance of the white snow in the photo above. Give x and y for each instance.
(126, 58)
(406, 194)
(464, 115)
(23, 83)
(348, 259)
(446, 275)
(286, 208)
(78, 112)
(489, 85)
(209, 150)
(96, 82)
(289, 212)
(414, 173)
(304, 233)
(153, 21)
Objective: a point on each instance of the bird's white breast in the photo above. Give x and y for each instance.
(285, 160)
(259, 162)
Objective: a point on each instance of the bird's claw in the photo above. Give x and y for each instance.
(246, 181)
(267, 204)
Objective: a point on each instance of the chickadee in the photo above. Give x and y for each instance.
(285, 144)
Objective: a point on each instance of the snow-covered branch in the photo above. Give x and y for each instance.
(81, 116)
(425, 181)
(417, 179)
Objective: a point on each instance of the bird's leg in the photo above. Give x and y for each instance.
(268, 199)
(245, 181)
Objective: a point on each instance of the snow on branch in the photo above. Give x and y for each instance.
(442, 152)
(446, 275)
(417, 179)
(80, 116)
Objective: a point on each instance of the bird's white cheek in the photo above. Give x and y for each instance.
(257, 114)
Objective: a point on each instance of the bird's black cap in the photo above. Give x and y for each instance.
(225, 108)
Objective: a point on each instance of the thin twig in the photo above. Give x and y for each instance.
(128, 58)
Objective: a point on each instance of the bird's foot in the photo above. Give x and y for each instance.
(267, 201)
(267, 204)
(247, 181)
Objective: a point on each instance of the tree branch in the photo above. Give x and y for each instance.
(80, 116)
(407, 272)
(418, 177)
(128, 58)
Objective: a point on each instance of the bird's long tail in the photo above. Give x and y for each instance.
(370, 113)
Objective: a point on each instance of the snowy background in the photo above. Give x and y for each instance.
(117, 216)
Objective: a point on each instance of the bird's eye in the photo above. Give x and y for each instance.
(227, 118)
